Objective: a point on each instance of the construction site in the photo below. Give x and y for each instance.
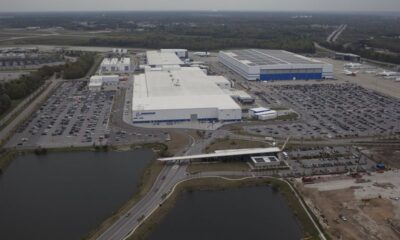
(355, 206)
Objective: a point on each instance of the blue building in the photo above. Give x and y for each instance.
(268, 65)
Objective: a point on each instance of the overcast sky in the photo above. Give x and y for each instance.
(259, 5)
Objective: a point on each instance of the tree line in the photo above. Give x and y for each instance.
(27, 84)
(79, 68)
(365, 53)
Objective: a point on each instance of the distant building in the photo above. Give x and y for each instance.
(202, 54)
(267, 65)
(106, 83)
(115, 66)
(262, 113)
(265, 162)
(347, 57)
(120, 51)
(221, 82)
(160, 59)
(181, 53)
(242, 96)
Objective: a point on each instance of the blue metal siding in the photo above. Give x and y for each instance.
(290, 76)
(184, 120)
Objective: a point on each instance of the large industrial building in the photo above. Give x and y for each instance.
(115, 66)
(266, 65)
(181, 53)
(182, 94)
(158, 59)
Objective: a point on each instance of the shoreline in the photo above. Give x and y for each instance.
(9, 155)
(218, 184)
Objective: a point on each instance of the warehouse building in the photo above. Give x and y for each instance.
(105, 82)
(267, 65)
(179, 95)
(261, 113)
(159, 59)
(115, 66)
(181, 53)
(348, 57)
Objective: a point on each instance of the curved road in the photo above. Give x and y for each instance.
(170, 177)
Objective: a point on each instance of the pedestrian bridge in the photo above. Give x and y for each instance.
(225, 153)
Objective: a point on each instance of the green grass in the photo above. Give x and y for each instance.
(288, 117)
(149, 176)
(14, 104)
(223, 144)
(5, 160)
(224, 166)
(278, 108)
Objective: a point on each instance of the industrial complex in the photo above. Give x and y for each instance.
(105, 82)
(267, 65)
(310, 137)
(115, 66)
(181, 94)
(163, 58)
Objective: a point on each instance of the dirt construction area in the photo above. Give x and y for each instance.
(357, 208)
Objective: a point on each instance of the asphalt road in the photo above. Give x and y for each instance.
(7, 130)
(165, 183)
(167, 179)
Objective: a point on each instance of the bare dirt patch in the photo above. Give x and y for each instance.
(388, 156)
(350, 210)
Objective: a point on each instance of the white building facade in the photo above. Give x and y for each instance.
(104, 82)
(115, 66)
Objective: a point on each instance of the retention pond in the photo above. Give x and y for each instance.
(66, 195)
(234, 214)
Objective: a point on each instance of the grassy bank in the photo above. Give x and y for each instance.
(14, 104)
(8, 155)
(218, 166)
(144, 230)
(5, 159)
(226, 143)
(149, 176)
(288, 117)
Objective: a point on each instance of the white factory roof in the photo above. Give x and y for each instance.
(116, 61)
(220, 79)
(225, 153)
(159, 58)
(237, 93)
(260, 109)
(185, 88)
(96, 81)
(173, 50)
(262, 57)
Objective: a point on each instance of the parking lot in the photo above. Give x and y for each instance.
(72, 116)
(327, 160)
(332, 111)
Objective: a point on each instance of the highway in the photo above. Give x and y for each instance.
(167, 179)
(336, 34)
(169, 176)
